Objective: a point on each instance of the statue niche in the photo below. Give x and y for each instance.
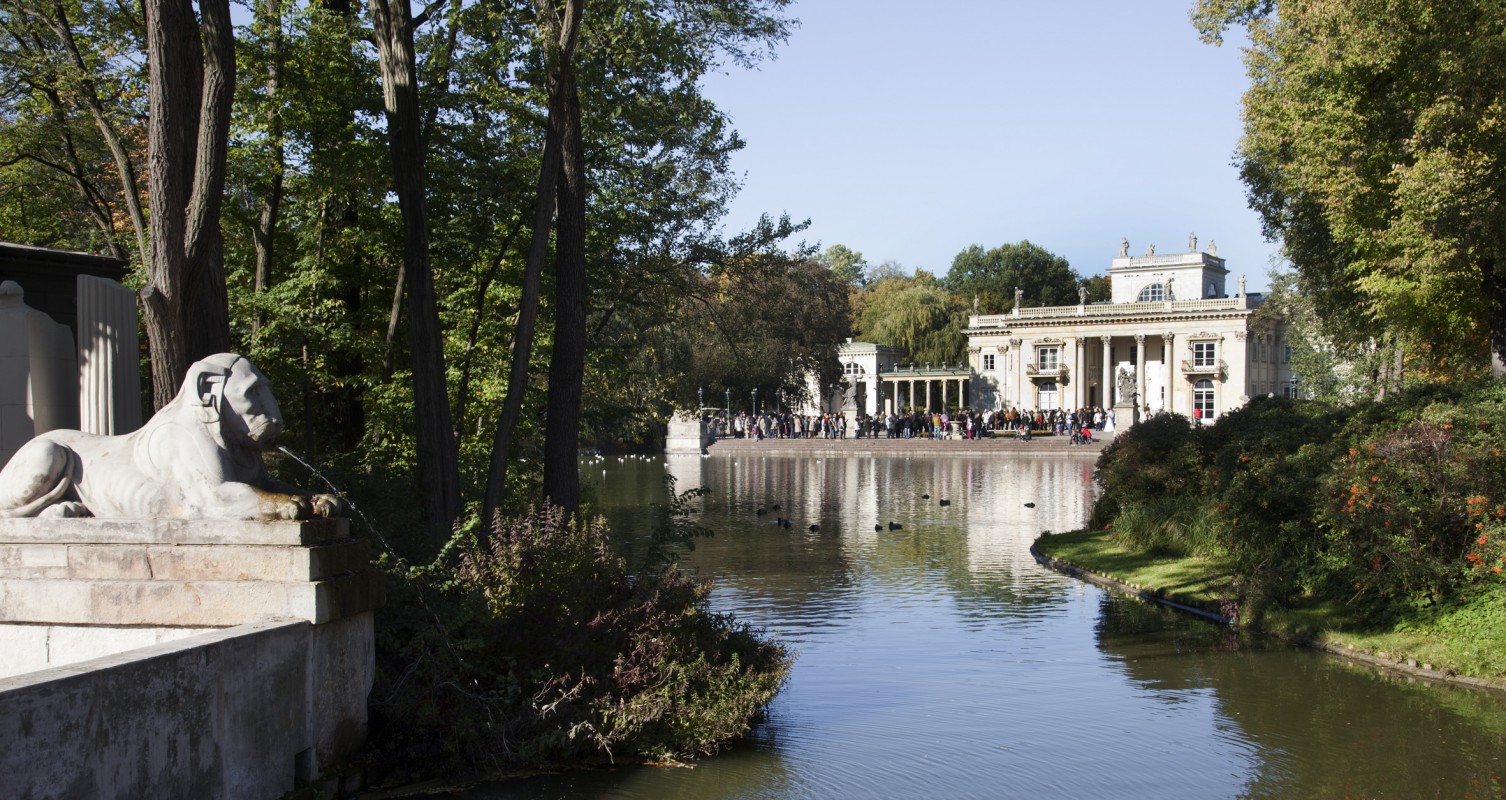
(199, 457)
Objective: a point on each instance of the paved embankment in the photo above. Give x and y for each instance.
(1003, 446)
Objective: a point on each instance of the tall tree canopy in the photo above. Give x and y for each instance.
(382, 169)
(918, 315)
(848, 264)
(1375, 149)
(992, 275)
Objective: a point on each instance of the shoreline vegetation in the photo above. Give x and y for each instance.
(1199, 586)
(1374, 531)
(541, 649)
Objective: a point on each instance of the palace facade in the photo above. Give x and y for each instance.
(1171, 337)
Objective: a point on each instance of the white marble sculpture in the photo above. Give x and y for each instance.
(200, 457)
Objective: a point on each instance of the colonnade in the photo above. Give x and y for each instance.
(915, 391)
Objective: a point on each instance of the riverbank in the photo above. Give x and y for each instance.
(1457, 646)
(1001, 446)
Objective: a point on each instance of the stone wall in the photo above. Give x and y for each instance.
(180, 658)
(238, 712)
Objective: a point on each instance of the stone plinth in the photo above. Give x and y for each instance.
(87, 604)
(687, 434)
(170, 574)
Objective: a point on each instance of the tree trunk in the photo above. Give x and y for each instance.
(567, 367)
(271, 208)
(438, 459)
(564, 32)
(192, 78)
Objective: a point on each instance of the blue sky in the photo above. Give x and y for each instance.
(908, 131)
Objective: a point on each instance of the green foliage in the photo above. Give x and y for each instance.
(1373, 148)
(917, 315)
(1152, 461)
(1388, 508)
(992, 276)
(847, 264)
(541, 649)
(60, 185)
(758, 318)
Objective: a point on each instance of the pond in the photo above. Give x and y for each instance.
(940, 661)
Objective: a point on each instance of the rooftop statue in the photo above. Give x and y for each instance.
(1124, 247)
(199, 457)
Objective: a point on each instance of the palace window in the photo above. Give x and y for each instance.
(1290, 389)
(1286, 354)
(1047, 399)
(1152, 293)
(988, 362)
(852, 368)
(1204, 354)
(1048, 358)
(1202, 398)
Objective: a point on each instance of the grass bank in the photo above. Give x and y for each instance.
(1463, 641)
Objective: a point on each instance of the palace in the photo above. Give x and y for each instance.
(1171, 336)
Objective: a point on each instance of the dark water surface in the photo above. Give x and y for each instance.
(940, 661)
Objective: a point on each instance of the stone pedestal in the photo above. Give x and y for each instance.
(75, 590)
(687, 434)
(1125, 415)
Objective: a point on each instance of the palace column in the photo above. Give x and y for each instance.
(1236, 390)
(1006, 377)
(1020, 374)
(1079, 373)
(1168, 346)
(1140, 373)
(1106, 389)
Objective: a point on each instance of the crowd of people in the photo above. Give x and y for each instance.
(916, 423)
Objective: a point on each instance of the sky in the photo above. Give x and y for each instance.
(908, 131)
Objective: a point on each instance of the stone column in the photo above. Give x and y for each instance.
(1168, 345)
(1106, 389)
(1019, 371)
(1140, 401)
(1236, 389)
(108, 351)
(1079, 373)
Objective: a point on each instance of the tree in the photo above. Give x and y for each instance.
(1374, 150)
(438, 456)
(993, 275)
(760, 318)
(918, 315)
(58, 79)
(849, 265)
(191, 63)
(1100, 288)
(567, 363)
(560, 31)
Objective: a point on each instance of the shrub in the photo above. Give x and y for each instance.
(1153, 460)
(1389, 507)
(540, 649)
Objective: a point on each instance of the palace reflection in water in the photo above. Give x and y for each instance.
(940, 660)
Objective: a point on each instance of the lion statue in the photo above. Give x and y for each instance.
(199, 457)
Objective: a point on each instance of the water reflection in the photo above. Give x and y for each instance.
(940, 661)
